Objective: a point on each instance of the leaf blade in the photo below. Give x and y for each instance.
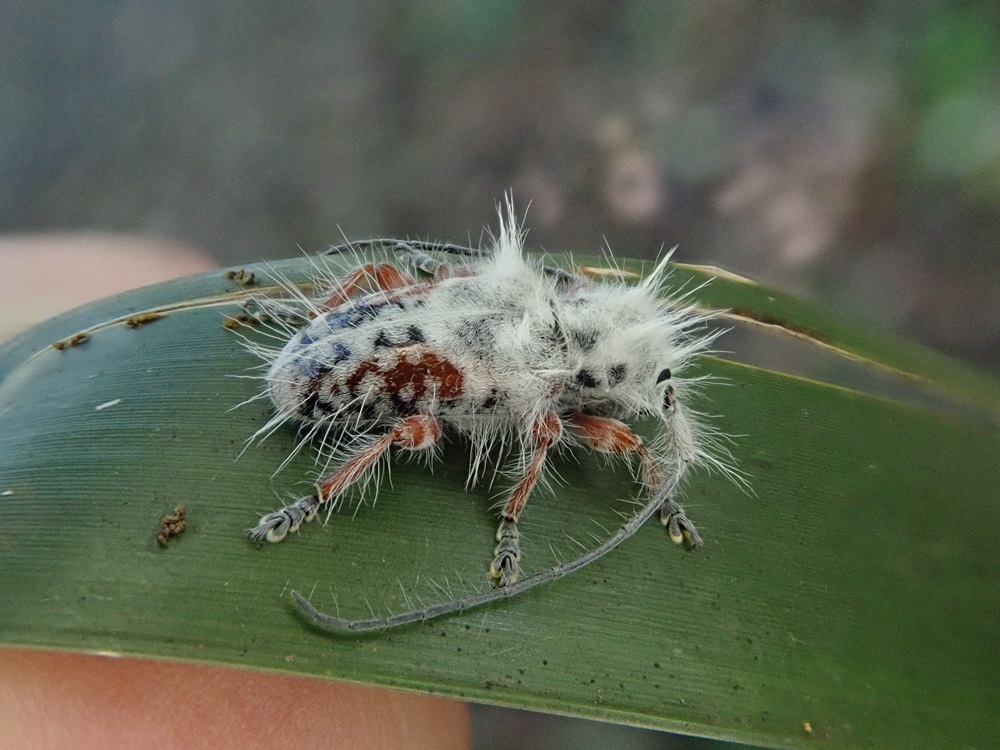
(829, 598)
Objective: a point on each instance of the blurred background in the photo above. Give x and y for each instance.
(847, 151)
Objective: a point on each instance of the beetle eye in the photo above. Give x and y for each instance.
(664, 375)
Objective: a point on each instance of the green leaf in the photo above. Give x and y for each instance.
(856, 591)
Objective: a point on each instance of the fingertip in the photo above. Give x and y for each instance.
(59, 700)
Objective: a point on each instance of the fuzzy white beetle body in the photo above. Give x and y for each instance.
(470, 350)
(500, 350)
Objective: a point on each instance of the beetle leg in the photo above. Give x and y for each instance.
(607, 435)
(371, 277)
(415, 433)
(545, 432)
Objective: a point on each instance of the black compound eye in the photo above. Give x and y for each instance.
(664, 375)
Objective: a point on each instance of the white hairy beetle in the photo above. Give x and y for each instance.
(501, 350)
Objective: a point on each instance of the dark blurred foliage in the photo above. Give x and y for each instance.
(845, 150)
(848, 151)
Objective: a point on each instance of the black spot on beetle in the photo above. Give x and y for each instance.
(327, 407)
(586, 379)
(308, 406)
(416, 335)
(616, 374)
(341, 352)
(412, 335)
(489, 403)
(349, 319)
(585, 340)
(477, 333)
(403, 406)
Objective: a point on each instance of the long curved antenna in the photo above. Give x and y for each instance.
(671, 513)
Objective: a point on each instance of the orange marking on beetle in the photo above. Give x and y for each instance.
(413, 367)
(367, 367)
(446, 376)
